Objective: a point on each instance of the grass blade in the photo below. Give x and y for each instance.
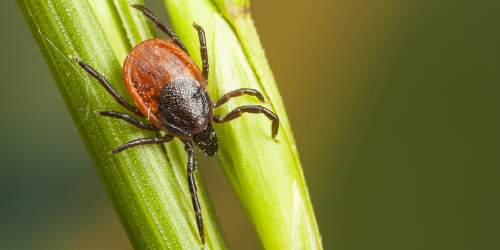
(142, 183)
(267, 176)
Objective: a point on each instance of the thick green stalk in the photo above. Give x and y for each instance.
(147, 188)
(266, 175)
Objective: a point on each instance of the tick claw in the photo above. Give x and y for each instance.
(74, 58)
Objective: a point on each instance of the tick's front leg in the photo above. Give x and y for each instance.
(193, 190)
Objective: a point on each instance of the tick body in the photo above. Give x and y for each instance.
(171, 91)
(168, 88)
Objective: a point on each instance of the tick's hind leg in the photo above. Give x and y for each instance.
(203, 50)
(193, 189)
(107, 86)
(129, 119)
(142, 141)
(251, 109)
(239, 92)
(159, 23)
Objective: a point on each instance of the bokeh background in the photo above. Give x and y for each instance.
(394, 105)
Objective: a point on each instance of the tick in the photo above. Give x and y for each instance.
(169, 90)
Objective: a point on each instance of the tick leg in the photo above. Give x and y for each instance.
(107, 86)
(239, 92)
(159, 23)
(193, 189)
(129, 119)
(142, 141)
(203, 51)
(251, 109)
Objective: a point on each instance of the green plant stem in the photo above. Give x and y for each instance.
(266, 175)
(146, 187)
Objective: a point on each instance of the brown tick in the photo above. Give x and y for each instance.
(169, 90)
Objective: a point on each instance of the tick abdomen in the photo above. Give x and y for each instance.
(186, 106)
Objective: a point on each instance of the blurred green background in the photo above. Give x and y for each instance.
(394, 106)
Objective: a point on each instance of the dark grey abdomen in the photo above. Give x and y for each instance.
(185, 106)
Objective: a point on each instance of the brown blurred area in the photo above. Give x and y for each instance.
(394, 106)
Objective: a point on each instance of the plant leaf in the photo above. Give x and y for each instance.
(141, 182)
(266, 175)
